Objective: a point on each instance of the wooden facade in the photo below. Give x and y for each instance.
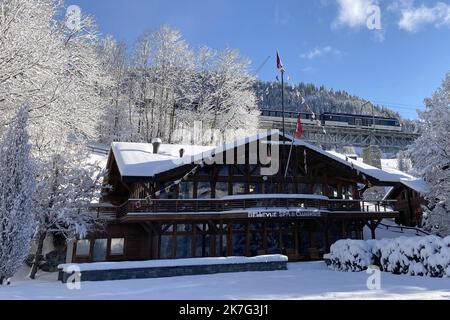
(408, 203)
(232, 209)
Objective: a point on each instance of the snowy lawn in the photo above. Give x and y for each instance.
(308, 280)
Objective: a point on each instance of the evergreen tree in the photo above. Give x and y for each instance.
(16, 191)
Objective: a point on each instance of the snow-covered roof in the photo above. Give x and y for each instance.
(138, 159)
(388, 175)
(418, 185)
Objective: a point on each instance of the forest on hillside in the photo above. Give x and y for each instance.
(322, 99)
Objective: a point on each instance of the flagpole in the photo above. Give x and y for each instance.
(282, 112)
(282, 101)
(289, 157)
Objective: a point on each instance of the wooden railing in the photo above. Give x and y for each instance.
(221, 205)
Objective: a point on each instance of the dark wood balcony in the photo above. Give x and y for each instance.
(230, 204)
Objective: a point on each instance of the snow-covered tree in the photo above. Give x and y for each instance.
(16, 192)
(66, 185)
(403, 161)
(430, 155)
(228, 100)
(161, 75)
(51, 67)
(168, 86)
(115, 124)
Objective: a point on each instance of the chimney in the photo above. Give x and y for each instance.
(181, 153)
(156, 142)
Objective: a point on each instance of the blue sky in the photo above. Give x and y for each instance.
(320, 41)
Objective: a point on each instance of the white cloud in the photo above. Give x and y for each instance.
(353, 13)
(413, 18)
(318, 52)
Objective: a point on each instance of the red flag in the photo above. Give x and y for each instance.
(279, 63)
(299, 129)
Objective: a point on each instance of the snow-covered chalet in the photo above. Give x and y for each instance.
(173, 201)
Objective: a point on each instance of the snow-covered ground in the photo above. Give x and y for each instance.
(307, 280)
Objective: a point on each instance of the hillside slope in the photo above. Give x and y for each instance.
(321, 99)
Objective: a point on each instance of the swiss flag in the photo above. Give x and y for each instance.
(299, 129)
(279, 63)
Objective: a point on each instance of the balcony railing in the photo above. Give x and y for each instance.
(221, 205)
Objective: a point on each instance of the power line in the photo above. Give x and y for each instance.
(398, 104)
(262, 65)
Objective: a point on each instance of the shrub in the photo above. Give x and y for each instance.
(416, 256)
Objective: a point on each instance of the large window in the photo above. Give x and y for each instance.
(224, 171)
(100, 248)
(221, 189)
(202, 245)
(239, 239)
(184, 246)
(186, 190)
(288, 188)
(238, 188)
(318, 189)
(83, 248)
(169, 193)
(254, 188)
(117, 246)
(273, 238)
(347, 192)
(270, 188)
(303, 188)
(203, 190)
(166, 247)
(333, 189)
(256, 239)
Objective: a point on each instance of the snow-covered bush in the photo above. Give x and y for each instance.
(350, 255)
(416, 256)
